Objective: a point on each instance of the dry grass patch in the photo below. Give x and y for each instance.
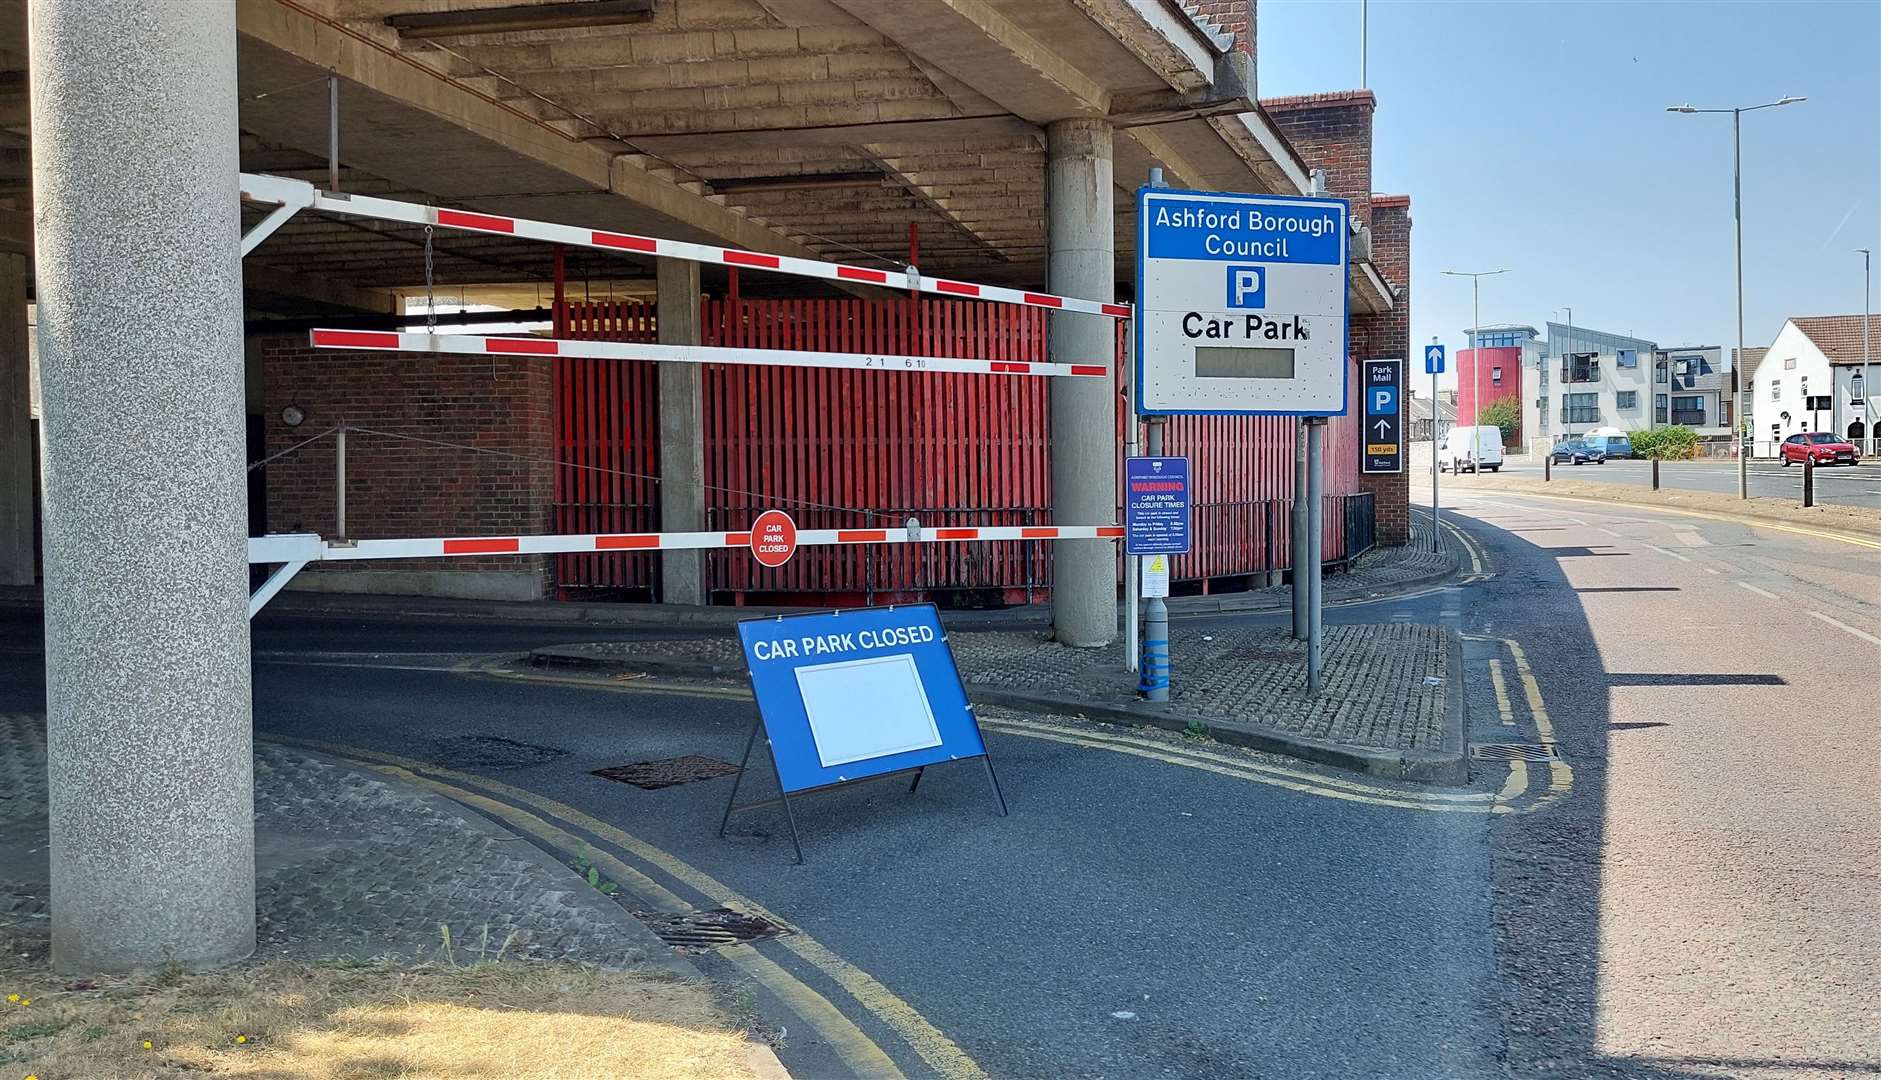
(279, 1020)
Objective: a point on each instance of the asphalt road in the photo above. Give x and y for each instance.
(1858, 485)
(1695, 897)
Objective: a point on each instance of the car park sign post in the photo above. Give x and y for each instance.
(1381, 433)
(1241, 303)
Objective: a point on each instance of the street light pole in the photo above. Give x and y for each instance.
(1867, 377)
(1737, 198)
(1476, 336)
(1567, 424)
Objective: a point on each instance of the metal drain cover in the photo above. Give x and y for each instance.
(667, 772)
(698, 931)
(1513, 752)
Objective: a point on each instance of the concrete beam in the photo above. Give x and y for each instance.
(287, 293)
(417, 126)
(976, 43)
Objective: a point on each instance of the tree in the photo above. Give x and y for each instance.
(1504, 413)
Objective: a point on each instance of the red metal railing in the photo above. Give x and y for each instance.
(862, 448)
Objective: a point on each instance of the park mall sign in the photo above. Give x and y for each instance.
(1241, 303)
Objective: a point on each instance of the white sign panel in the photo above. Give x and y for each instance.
(1241, 303)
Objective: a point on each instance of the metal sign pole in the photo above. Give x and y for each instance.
(1132, 564)
(1156, 666)
(1435, 364)
(1315, 529)
(1296, 519)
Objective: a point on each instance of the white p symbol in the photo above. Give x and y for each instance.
(1246, 280)
(1381, 401)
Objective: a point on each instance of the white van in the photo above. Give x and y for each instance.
(1471, 449)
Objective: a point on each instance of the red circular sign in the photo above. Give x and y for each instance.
(773, 538)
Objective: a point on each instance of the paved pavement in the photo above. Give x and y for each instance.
(350, 864)
(1684, 889)
(1859, 485)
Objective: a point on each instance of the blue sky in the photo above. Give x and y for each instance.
(1535, 136)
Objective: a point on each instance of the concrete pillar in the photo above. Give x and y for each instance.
(140, 334)
(682, 433)
(1082, 243)
(17, 464)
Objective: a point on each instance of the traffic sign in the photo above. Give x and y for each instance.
(849, 695)
(1381, 433)
(773, 538)
(1433, 359)
(1241, 303)
(1156, 506)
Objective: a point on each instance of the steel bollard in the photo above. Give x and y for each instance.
(1153, 684)
(1655, 474)
(1547, 467)
(1809, 480)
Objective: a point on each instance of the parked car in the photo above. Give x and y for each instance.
(1614, 446)
(1825, 448)
(1471, 449)
(1578, 452)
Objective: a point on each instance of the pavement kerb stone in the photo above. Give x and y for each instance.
(1446, 767)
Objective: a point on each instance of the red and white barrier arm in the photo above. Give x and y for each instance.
(472, 345)
(309, 547)
(286, 191)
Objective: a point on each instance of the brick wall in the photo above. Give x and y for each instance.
(397, 488)
(1389, 334)
(1332, 132)
(1234, 16)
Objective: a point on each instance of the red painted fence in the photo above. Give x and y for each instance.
(862, 448)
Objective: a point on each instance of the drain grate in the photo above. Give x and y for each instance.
(1513, 751)
(668, 772)
(698, 931)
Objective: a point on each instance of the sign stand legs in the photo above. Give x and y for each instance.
(993, 778)
(731, 803)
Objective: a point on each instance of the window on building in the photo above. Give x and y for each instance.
(1626, 358)
(1627, 399)
(1659, 372)
(1689, 411)
(1776, 389)
(1659, 408)
(1789, 364)
(1495, 376)
(1580, 408)
(1580, 367)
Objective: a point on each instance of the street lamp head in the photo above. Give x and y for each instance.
(1789, 99)
(1680, 108)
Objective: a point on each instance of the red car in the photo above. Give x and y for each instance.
(1825, 448)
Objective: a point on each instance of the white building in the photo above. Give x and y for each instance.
(1691, 386)
(1584, 379)
(1810, 379)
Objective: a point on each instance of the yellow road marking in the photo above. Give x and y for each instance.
(935, 1048)
(849, 1042)
(1504, 710)
(1401, 801)
(1512, 790)
(1753, 523)
(810, 1005)
(1163, 751)
(1561, 777)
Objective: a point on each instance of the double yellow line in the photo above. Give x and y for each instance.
(549, 821)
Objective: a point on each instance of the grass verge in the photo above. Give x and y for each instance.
(349, 1021)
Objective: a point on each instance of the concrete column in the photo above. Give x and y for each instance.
(140, 333)
(682, 433)
(17, 465)
(1082, 245)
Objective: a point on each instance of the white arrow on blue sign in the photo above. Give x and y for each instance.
(1433, 359)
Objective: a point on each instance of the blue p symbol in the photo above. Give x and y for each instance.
(1247, 287)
